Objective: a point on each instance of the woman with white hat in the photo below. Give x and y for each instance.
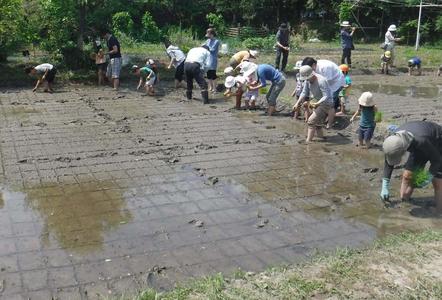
(423, 141)
(241, 56)
(390, 40)
(347, 42)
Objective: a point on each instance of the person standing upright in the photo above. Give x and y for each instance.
(115, 63)
(390, 41)
(213, 44)
(347, 42)
(282, 46)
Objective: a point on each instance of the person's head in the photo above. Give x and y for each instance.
(166, 43)
(253, 54)
(105, 33)
(387, 55)
(135, 70)
(306, 73)
(346, 25)
(205, 47)
(30, 71)
(150, 62)
(392, 28)
(366, 99)
(344, 68)
(396, 145)
(210, 33)
(283, 26)
(310, 61)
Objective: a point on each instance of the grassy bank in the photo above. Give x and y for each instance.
(404, 266)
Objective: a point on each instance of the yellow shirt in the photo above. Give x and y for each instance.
(241, 55)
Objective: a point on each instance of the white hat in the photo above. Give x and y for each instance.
(248, 69)
(253, 53)
(306, 72)
(366, 99)
(228, 70)
(392, 28)
(230, 82)
(396, 145)
(345, 24)
(298, 65)
(151, 61)
(98, 42)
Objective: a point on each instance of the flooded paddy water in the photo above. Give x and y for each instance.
(106, 193)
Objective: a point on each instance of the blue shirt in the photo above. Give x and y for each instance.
(346, 40)
(267, 72)
(213, 45)
(415, 60)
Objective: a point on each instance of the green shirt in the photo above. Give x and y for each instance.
(145, 72)
(367, 117)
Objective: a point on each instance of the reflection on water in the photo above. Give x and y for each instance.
(406, 91)
(78, 215)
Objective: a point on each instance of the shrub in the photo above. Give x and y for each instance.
(122, 23)
(151, 32)
(266, 43)
(218, 22)
(182, 38)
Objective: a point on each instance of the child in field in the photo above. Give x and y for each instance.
(45, 73)
(414, 63)
(297, 92)
(152, 64)
(345, 92)
(147, 76)
(100, 62)
(241, 84)
(385, 62)
(367, 110)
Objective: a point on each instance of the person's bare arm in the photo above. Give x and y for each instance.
(255, 87)
(39, 81)
(355, 115)
(140, 83)
(114, 50)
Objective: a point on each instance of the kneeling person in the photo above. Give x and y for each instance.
(147, 76)
(45, 73)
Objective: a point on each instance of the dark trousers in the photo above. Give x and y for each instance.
(193, 71)
(285, 56)
(346, 56)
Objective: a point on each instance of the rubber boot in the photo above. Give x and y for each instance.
(189, 95)
(205, 95)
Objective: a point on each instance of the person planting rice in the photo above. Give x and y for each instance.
(334, 77)
(177, 58)
(45, 73)
(241, 84)
(367, 110)
(197, 62)
(385, 62)
(241, 56)
(297, 93)
(147, 76)
(345, 92)
(414, 63)
(265, 73)
(423, 141)
(317, 86)
(152, 64)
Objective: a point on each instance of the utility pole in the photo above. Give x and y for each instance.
(418, 27)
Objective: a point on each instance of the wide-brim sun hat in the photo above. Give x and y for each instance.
(253, 53)
(230, 82)
(249, 69)
(345, 24)
(366, 99)
(228, 70)
(392, 28)
(305, 73)
(395, 146)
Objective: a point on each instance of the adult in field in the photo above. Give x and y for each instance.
(45, 74)
(335, 79)
(241, 56)
(115, 60)
(177, 58)
(347, 42)
(197, 62)
(282, 47)
(390, 41)
(213, 45)
(423, 141)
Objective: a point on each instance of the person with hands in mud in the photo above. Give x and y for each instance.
(45, 73)
(147, 76)
(423, 141)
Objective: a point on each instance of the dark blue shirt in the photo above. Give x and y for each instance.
(346, 40)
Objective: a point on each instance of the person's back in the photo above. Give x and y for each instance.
(424, 130)
(199, 55)
(367, 117)
(331, 71)
(268, 72)
(176, 53)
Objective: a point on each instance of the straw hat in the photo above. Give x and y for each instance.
(230, 82)
(366, 99)
(253, 53)
(306, 72)
(396, 145)
(392, 28)
(345, 24)
(387, 54)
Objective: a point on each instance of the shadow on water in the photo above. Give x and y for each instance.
(74, 217)
(401, 90)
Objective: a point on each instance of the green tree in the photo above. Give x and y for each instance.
(151, 32)
(122, 23)
(11, 26)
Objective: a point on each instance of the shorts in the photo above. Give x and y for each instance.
(252, 95)
(51, 75)
(102, 67)
(151, 81)
(179, 72)
(366, 133)
(114, 68)
(275, 90)
(233, 63)
(211, 75)
(418, 161)
(319, 115)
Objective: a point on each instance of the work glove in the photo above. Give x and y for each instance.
(385, 192)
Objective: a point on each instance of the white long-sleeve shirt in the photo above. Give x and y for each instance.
(199, 55)
(332, 73)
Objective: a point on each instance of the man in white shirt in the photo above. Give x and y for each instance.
(196, 64)
(177, 58)
(45, 73)
(335, 79)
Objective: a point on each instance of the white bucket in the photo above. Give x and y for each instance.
(224, 49)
